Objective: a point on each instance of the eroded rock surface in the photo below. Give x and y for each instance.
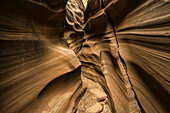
(94, 100)
(60, 56)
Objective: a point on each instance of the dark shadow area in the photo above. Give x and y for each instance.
(121, 8)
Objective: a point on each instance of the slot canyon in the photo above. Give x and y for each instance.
(84, 56)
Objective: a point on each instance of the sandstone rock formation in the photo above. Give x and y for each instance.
(90, 56)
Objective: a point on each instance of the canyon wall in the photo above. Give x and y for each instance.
(59, 56)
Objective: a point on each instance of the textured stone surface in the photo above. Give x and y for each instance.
(52, 56)
(98, 94)
(96, 108)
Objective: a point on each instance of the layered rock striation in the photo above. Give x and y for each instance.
(59, 56)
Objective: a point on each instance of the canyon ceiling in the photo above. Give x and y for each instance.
(90, 56)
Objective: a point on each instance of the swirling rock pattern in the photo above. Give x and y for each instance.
(59, 56)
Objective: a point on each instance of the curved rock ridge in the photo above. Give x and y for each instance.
(59, 56)
(75, 14)
(144, 44)
(35, 59)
